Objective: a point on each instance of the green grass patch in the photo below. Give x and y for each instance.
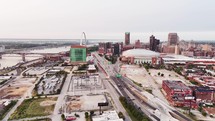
(32, 108)
(194, 82)
(149, 91)
(138, 84)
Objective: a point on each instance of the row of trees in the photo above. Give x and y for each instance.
(147, 65)
(160, 74)
(132, 110)
(112, 59)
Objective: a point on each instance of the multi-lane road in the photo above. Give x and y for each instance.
(124, 85)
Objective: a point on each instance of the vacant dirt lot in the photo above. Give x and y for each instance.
(167, 75)
(16, 88)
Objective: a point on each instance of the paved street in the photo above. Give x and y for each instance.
(117, 104)
(56, 116)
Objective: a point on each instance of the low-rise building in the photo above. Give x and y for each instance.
(108, 116)
(204, 94)
(176, 91)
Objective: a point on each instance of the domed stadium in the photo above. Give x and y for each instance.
(140, 53)
(140, 56)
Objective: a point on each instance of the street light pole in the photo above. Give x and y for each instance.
(190, 98)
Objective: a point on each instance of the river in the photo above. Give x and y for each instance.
(9, 60)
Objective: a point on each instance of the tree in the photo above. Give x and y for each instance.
(86, 114)
(24, 74)
(120, 114)
(91, 113)
(58, 91)
(76, 115)
(62, 116)
(204, 113)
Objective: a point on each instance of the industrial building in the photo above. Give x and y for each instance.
(176, 91)
(181, 59)
(204, 94)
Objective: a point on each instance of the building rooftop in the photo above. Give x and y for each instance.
(185, 58)
(204, 89)
(91, 67)
(140, 53)
(78, 46)
(176, 85)
(108, 116)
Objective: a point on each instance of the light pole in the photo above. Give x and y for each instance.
(190, 98)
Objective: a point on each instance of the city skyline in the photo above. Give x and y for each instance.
(67, 19)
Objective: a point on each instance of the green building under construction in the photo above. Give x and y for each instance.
(78, 54)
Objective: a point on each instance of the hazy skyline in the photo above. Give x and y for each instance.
(107, 19)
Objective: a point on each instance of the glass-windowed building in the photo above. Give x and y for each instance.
(78, 54)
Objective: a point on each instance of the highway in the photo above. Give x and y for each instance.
(115, 97)
(122, 88)
(166, 112)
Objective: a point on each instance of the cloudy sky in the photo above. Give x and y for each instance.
(108, 19)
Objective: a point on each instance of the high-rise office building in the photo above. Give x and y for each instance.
(116, 48)
(102, 48)
(154, 43)
(172, 38)
(137, 44)
(127, 38)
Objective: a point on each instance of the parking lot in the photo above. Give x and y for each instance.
(37, 70)
(50, 85)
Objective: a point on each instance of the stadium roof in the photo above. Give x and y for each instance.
(140, 53)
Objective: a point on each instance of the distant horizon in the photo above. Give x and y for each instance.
(121, 40)
(143, 36)
(191, 19)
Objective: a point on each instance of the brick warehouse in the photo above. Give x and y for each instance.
(205, 94)
(176, 91)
